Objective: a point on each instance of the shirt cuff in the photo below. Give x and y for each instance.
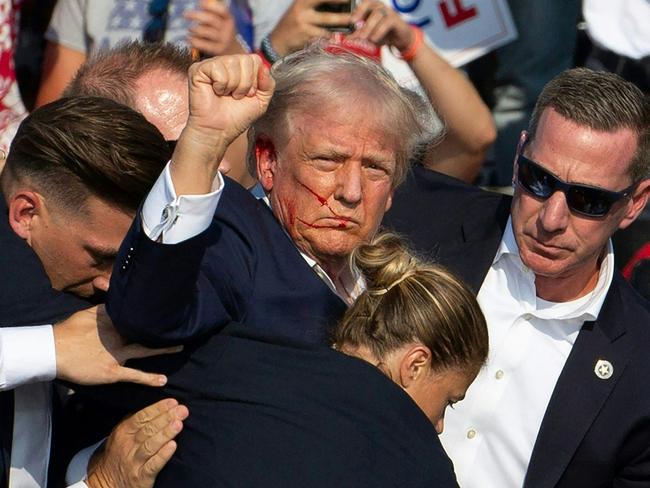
(174, 218)
(27, 355)
(78, 468)
(81, 484)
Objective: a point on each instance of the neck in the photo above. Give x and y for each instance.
(341, 275)
(566, 289)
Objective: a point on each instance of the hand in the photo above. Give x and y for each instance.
(89, 351)
(138, 448)
(214, 32)
(302, 23)
(227, 94)
(381, 25)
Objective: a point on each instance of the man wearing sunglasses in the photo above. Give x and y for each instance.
(563, 400)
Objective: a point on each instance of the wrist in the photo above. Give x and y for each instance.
(277, 46)
(409, 52)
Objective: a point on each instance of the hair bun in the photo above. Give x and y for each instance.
(384, 262)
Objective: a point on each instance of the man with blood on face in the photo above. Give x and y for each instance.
(329, 151)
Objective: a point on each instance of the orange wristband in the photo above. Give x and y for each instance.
(418, 39)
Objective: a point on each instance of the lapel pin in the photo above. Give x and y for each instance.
(604, 369)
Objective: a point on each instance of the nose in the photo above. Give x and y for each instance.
(554, 214)
(440, 425)
(349, 183)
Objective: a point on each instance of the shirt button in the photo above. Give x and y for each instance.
(471, 433)
(499, 374)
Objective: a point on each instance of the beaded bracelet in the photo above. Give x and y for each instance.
(267, 50)
(410, 52)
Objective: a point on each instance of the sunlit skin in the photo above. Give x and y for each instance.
(331, 185)
(78, 251)
(410, 367)
(562, 248)
(162, 97)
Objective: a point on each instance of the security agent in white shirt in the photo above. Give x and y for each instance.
(73, 240)
(575, 184)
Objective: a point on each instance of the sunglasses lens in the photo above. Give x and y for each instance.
(588, 201)
(534, 179)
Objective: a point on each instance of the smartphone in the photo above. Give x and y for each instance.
(338, 8)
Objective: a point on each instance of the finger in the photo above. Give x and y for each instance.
(362, 10)
(136, 351)
(206, 32)
(329, 19)
(381, 30)
(153, 444)
(130, 375)
(205, 46)
(234, 75)
(372, 21)
(206, 18)
(156, 463)
(248, 80)
(157, 424)
(146, 415)
(215, 6)
(265, 82)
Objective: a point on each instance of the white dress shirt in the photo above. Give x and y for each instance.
(27, 365)
(490, 435)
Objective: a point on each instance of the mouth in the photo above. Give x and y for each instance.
(338, 222)
(547, 249)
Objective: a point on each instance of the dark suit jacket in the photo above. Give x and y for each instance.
(595, 433)
(270, 403)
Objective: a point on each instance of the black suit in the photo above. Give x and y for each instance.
(270, 404)
(595, 433)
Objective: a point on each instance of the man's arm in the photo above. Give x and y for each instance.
(469, 126)
(83, 349)
(158, 293)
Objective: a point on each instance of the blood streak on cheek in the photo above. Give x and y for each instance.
(290, 207)
(323, 203)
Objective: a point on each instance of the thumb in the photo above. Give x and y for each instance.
(265, 82)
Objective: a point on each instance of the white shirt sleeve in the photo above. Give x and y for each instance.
(67, 26)
(78, 468)
(80, 484)
(27, 355)
(174, 218)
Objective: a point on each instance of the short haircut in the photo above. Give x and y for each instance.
(409, 300)
(601, 101)
(76, 147)
(113, 73)
(314, 79)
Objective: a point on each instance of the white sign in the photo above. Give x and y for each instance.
(460, 30)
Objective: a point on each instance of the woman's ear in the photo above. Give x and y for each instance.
(414, 365)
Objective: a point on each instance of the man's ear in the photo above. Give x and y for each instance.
(24, 208)
(414, 365)
(637, 203)
(266, 161)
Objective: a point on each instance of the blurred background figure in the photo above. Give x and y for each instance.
(79, 28)
(12, 110)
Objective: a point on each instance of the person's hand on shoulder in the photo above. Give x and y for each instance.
(138, 448)
(89, 351)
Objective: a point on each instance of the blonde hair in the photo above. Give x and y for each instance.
(409, 300)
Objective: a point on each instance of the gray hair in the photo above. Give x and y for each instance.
(314, 77)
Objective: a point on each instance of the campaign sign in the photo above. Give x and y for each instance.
(460, 30)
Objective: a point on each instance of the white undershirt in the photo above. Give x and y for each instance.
(490, 435)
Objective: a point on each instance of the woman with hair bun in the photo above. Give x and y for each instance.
(417, 323)
(275, 412)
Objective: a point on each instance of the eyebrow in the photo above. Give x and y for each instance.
(102, 252)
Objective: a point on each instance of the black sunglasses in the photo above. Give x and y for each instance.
(586, 200)
(155, 29)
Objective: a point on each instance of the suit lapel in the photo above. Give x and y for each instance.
(579, 393)
(472, 255)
